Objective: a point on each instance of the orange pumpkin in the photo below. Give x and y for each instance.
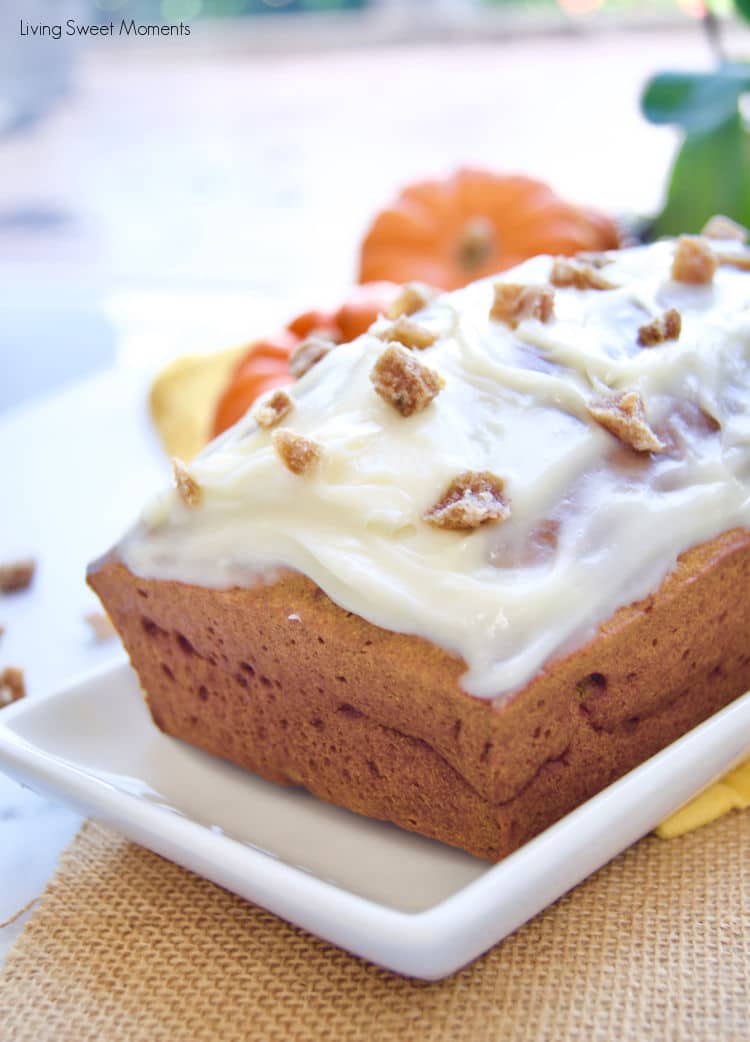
(262, 368)
(475, 223)
(359, 311)
(266, 364)
(322, 323)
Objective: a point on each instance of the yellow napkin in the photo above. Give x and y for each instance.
(184, 396)
(732, 792)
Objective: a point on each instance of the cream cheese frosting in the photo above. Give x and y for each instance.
(593, 524)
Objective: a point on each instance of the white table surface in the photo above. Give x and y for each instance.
(194, 201)
(77, 464)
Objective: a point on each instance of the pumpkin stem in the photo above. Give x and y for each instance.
(476, 243)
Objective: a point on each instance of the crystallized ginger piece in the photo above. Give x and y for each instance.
(308, 353)
(721, 227)
(12, 686)
(410, 334)
(666, 327)
(16, 576)
(514, 302)
(595, 258)
(270, 410)
(188, 488)
(472, 499)
(403, 382)
(101, 627)
(625, 417)
(413, 297)
(694, 261)
(299, 454)
(572, 273)
(735, 260)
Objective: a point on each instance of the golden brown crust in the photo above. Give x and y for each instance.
(282, 681)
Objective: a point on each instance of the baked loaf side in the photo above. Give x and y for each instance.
(280, 680)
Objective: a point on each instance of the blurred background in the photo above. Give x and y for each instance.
(208, 185)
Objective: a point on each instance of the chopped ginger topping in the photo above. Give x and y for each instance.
(735, 260)
(666, 327)
(721, 227)
(514, 302)
(270, 410)
(413, 297)
(12, 686)
(299, 454)
(404, 382)
(188, 488)
(595, 258)
(580, 276)
(308, 353)
(101, 626)
(16, 576)
(472, 499)
(625, 416)
(410, 334)
(694, 261)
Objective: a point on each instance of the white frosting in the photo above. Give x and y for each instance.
(514, 403)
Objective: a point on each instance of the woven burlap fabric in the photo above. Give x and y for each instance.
(126, 946)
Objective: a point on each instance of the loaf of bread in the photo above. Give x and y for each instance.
(476, 565)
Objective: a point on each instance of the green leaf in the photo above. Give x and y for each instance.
(668, 94)
(743, 8)
(711, 174)
(696, 101)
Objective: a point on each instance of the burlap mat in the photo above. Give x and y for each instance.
(126, 946)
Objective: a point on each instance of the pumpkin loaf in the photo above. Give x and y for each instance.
(470, 573)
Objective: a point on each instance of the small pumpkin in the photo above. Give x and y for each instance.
(475, 223)
(264, 367)
(266, 363)
(362, 307)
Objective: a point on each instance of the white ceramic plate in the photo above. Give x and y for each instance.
(407, 903)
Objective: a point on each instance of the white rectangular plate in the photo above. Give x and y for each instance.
(407, 903)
